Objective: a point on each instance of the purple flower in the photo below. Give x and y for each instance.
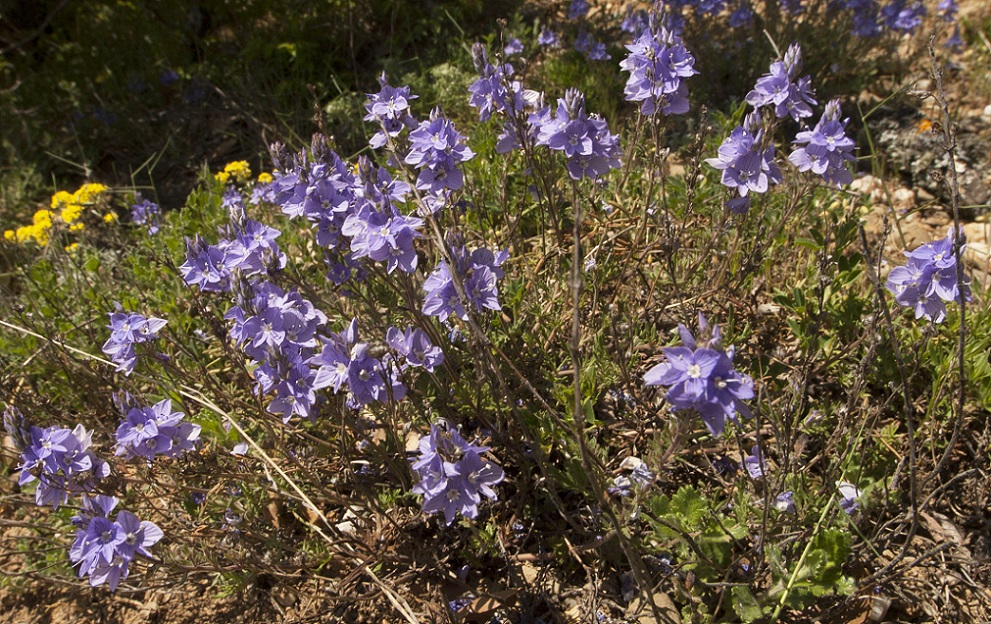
(415, 346)
(577, 9)
(928, 280)
(60, 461)
(104, 548)
(548, 37)
(591, 149)
(513, 46)
(703, 379)
(593, 49)
(746, 166)
(755, 464)
(903, 15)
(480, 272)
(389, 108)
(127, 330)
(157, 430)
(849, 497)
(658, 64)
(780, 89)
(783, 502)
(453, 474)
(494, 91)
(825, 150)
(148, 214)
(436, 149)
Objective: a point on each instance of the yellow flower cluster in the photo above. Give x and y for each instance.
(264, 177)
(237, 171)
(68, 207)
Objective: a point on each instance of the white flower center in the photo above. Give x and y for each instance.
(694, 371)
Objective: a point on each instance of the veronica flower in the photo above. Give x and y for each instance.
(702, 378)
(104, 548)
(658, 64)
(929, 280)
(453, 474)
(825, 150)
(746, 165)
(60, 460)
(389, 108)
(849, 496)
(790, 96)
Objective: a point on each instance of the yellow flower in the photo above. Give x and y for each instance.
(88, 193)
(71, 248)
(24, 233)
(264, 177)
(61, 198)
(72, 212)
(76, 227)
(10, 235)
(43, 218)
(110, 217)
(237, 171)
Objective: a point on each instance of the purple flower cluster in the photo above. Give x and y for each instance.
(584, 139)
(347, 364)
(480, 271)
(453, 475)
(57, 458)
(148, 214)
(701, 377)
(929, 280)
(495, 90)
(590, 47)
(389, 108)
(126, 330)
(658, 64)
(246, 247)
(826, 149)
(148, 432)
(780, 89)
(278, 330)
(343, 205)
(746, 164)
(436, 149)
(376, 228)
(105, 548)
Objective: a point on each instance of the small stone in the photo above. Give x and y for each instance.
(903, 199)
(987, 112)
(976, 232)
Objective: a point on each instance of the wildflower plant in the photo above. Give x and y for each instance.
(455, 324)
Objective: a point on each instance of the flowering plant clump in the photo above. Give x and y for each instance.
(67, 211)
(104, 548)
(128, 329)
(59, 459)
(700, 376)
(929, 280)
(453, 475)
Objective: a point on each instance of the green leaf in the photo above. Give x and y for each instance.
(745, 605)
